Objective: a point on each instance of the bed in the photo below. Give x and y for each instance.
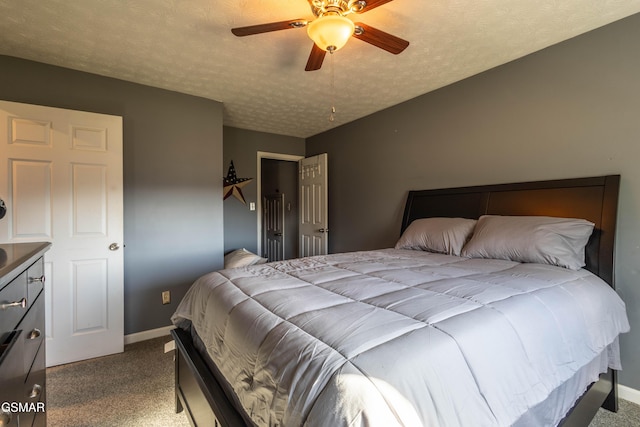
(448, 327)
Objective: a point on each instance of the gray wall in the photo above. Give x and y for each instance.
(242, 146)
(172, 177)
(570, 110)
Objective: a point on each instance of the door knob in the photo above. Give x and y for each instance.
(114, 247)
(323, 230)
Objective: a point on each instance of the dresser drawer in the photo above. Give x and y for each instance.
(11, 375)
(13, 303)
(33, 332)
(35, 280)
(34, 389)
(40, 419)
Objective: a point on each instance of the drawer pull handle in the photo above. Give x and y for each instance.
(5, 418)
(36, 279)
(35, 391)
(34, 334)
(22, 304)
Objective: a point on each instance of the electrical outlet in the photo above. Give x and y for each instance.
(166, 297)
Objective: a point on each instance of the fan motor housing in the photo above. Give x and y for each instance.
(343, 7)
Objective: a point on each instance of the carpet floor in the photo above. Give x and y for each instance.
(135, 388)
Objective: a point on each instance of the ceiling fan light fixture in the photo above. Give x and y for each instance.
(331, 32)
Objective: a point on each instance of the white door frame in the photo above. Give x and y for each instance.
(274, 156)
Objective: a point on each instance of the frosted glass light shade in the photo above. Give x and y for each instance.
(330, 32)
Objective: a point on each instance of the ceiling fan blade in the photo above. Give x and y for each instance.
(315, 58)
(265, 28)
(380, 39)
(373, 4)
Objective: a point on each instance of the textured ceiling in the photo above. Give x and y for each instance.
(187, 46)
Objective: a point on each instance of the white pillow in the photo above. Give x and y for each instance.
(536, 239)
(441, 235)
(242, 258)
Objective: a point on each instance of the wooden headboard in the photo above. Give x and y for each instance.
(594, 199)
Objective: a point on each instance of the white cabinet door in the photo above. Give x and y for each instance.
(314, 224)
(61, 179)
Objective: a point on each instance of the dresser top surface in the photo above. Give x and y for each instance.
(16, 257)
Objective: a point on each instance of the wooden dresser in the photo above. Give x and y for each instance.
(22, 335)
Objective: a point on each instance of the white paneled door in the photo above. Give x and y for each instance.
(314, 223)
(61, 178)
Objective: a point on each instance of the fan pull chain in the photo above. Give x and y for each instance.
(332, 114)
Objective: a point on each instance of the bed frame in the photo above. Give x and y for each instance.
(202, 395)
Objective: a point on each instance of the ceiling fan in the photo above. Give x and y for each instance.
(331, 29)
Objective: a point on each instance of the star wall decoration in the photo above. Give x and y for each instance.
(232, 185)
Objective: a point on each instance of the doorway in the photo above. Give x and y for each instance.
(279, 189)
(278, 178)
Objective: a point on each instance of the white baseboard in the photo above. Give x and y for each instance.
(147, 335)
(628, 393)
